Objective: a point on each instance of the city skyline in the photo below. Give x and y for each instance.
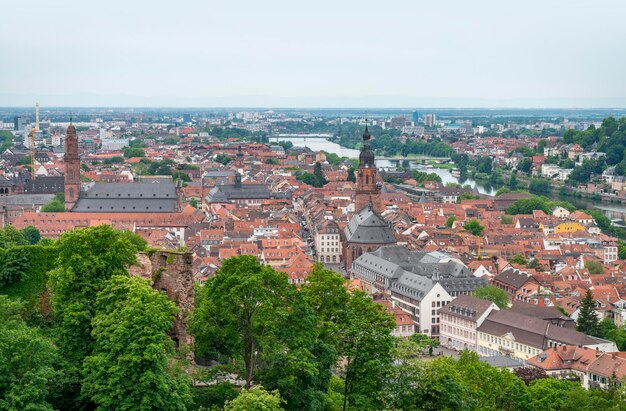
(351, 54)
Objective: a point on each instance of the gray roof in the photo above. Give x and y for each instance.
(414, 273)
(368, 227)
(227, 192)
(45, 185)
(26, 199)
(502, 361)
(531, 331)
(128, 198)
(443, 268)
(512, 276)
(218, 173)
(467, 307)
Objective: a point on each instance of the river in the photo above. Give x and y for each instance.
(317, 143)
(617, 213)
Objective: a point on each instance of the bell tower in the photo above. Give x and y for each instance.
(367, 187)
(72, 167)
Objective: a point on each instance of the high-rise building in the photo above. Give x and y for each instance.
(187, 118)
(415, 117)
(429, 120)
(72, 167)
(20, 122)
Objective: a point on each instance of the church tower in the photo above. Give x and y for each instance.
(72, 167)
(367, 187)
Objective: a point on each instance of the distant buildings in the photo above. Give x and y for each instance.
(20, 122)
(429, 120)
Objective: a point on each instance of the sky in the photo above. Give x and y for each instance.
(341, 53)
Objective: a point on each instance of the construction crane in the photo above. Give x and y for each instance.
(31, 144)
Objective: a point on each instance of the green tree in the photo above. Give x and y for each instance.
(513, 180)
(594, 267)
(365, 345)
(450, 221)
(53, 206)
(518, 259)
(550, 394)
(10, 236)
(130, 152)
(474, 227)
(525, 165)
(223, 158)
(621, 246)
(255, 399)
(351, 175)
(87, 259)
(493, 294)
(240, 310)
(400, 392)
(588, 321)
(128, 367)
(181, 176)
(540, 186)
(14, 263)
(491, 388)
(28, 362)
(440, 387)
(319, 175)
(213, 397)
(31, 234)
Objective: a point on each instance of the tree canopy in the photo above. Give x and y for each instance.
(493, 294)
(474, 227)
(128, 367)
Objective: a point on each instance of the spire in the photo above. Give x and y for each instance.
(70, 118)
(366, 133)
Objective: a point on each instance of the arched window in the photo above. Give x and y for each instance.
(71, 192)
(367, 179)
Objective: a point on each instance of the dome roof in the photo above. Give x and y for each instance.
(366, 157)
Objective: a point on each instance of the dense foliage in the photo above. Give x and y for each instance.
(474, 227)
(320, 346)
(56, 205)
(610, 138)
(527, 205)
(494, 294)
(128, 367)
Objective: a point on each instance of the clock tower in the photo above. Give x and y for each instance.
(367, 186)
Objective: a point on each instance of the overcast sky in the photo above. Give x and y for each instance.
(552, 53)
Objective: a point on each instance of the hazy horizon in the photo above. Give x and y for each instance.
(448, 54)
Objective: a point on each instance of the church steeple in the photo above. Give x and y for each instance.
(366, 157)
(367, 189)
(72, 167)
